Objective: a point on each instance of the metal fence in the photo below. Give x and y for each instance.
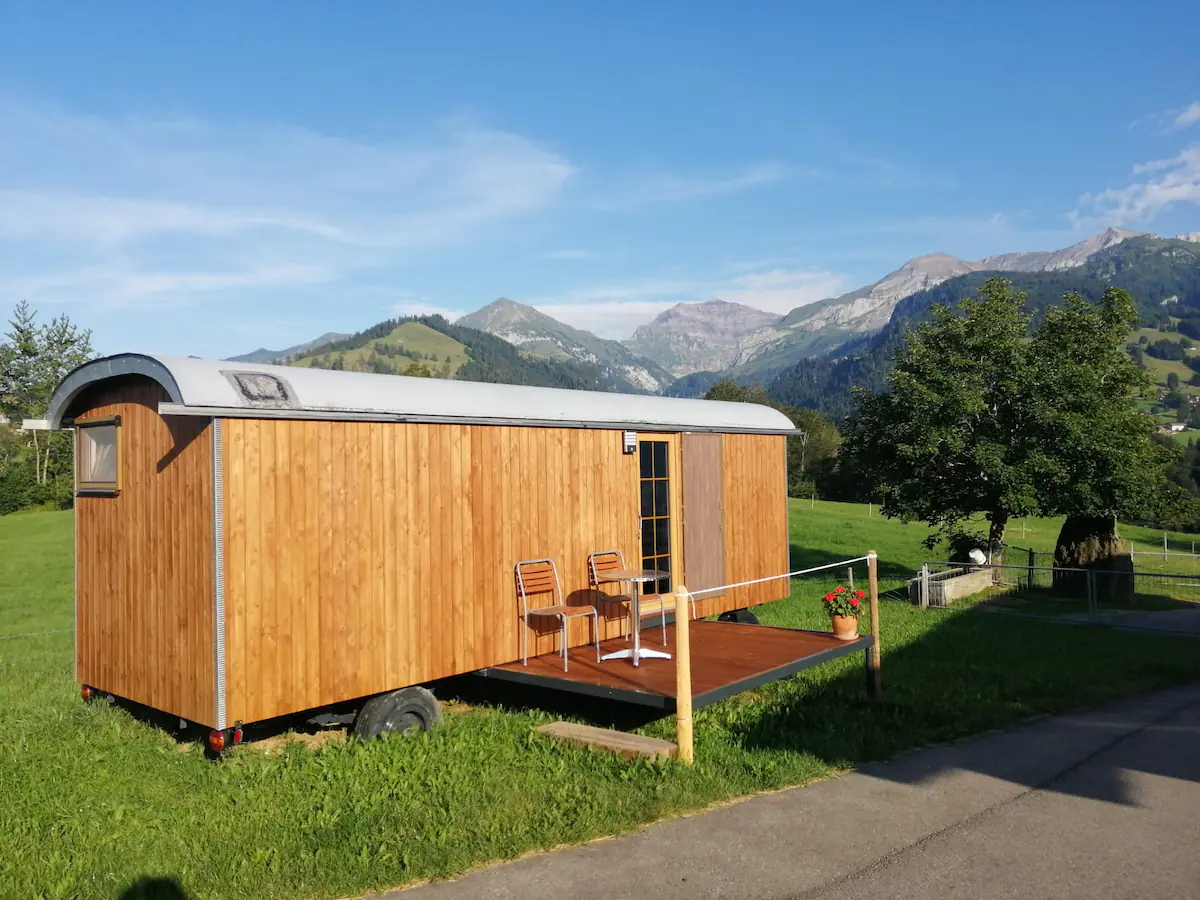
(1053, 590)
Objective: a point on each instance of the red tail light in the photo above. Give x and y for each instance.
(216, 741)
(86, 693)
(237, 735)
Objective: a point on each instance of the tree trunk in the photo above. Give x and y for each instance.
(1091, 542)
(999, 521)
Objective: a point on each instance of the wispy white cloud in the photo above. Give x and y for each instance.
(136, 208)
(1172, 181)
(782, 290)
(117, 286)
(422, 307)
(665, 187)
(1188, 116)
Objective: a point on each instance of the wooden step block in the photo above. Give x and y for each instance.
(628, 745)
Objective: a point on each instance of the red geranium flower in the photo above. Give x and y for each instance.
(829, 596)
(839, 590)
(859, 594)
(854, 601)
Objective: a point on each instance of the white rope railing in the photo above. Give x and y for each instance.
(835, 565)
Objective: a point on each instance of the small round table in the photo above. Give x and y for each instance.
(637, 577)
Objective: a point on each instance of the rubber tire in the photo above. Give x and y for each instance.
(406, 711)
(741, 616)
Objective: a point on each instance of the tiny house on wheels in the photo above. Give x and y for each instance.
(254, 541)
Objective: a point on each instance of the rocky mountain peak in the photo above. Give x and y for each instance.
(501, 314)
(705, 336)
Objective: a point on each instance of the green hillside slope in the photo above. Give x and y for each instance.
(447, 351)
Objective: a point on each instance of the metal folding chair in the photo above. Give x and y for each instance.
(539, 577)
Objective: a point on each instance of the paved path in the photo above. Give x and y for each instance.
(1090, 805)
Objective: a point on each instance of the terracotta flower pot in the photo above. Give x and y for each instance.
(845, 628)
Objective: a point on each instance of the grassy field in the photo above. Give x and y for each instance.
(413, 337)
(95, 800)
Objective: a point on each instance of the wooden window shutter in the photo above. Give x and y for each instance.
(704, 511)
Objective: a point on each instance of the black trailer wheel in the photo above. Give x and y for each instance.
(411, 709)
(742, 616)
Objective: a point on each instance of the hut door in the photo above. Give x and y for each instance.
(659, 511)
(703, 512)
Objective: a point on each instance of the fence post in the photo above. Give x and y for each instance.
(812, 504)
(1091, 594)
(875, 683)
(683, 679)
(1164, 546)
(923, 588)
(1032, 570)
(850, 576)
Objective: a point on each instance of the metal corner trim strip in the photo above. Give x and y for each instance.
(218, 556)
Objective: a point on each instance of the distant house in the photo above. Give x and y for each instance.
(1172, 428)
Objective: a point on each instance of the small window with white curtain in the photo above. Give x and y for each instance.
(98, 456)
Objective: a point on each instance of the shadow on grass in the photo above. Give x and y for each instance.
(508, 695)
(972, 673)
(307, 722)
(154, 889)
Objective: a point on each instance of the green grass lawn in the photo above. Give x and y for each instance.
(94, 800)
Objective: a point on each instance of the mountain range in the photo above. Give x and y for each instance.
(685, 348)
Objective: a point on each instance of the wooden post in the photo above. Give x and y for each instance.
(683, 678)
(850, 577)
(873, 593)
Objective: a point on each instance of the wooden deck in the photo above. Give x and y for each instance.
(727, 658)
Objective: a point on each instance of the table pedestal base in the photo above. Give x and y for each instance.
(642, 653)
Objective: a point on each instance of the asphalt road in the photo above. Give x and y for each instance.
(1101, 804)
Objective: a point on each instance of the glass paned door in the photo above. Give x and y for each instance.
(656, 511)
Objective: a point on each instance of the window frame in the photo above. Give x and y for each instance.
(98, 488)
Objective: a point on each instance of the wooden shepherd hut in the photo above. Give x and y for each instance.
(253, 541)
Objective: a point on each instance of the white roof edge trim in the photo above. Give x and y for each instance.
(251, 390)
(35, 425)
(337, 415)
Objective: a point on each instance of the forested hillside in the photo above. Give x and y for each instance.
(1162, 275)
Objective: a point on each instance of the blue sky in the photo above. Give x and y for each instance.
(212, 179)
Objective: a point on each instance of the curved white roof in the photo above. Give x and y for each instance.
(223, 388)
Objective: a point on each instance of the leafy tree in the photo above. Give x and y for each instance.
(983, 421)
(1166, 349)
(418, 370)
(35, 467)
(944, 444)
(1172, 381)
(1096, 459)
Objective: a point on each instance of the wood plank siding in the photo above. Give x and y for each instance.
(144, 595)
(362, 557)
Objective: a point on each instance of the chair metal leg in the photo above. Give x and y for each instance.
(525, 643)
(596, 633)
(663, 621)
(564, 642)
